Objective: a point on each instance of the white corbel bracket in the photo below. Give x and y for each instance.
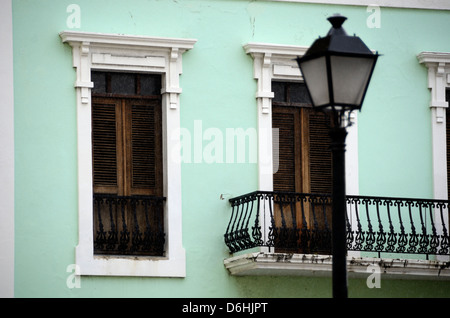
(438, 65)
(85, 92)
(439, 113)
(173, 94)
(265, 100)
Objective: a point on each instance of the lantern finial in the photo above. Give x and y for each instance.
(336, 21)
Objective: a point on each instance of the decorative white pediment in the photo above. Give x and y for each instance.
(127, 53)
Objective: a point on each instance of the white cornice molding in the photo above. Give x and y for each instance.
(127, 40)
(406, 4)
(434, 57)
(275, 49)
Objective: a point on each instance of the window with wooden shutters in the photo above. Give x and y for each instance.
(304, 158)
(127, 164)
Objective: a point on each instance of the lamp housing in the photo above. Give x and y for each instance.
(337, 69)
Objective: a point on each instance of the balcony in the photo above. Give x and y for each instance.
(128, 225)
(281, 233)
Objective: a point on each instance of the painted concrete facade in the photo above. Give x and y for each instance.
(40, 133)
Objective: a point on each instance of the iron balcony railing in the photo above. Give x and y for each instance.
(128, 225)
(301, 223)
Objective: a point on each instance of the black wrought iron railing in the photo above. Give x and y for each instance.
(128, 225)
(301, 223)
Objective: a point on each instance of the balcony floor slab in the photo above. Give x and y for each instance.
(282, 264)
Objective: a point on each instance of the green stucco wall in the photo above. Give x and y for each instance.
(218, 89)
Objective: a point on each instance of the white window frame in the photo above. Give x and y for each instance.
(277, 62)
(112, 52)
(438, 65)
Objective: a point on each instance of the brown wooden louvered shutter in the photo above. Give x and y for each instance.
(144, 149)
(106, 145)
(127, 148)
(288, 176)
(305, 159)
(320, 157)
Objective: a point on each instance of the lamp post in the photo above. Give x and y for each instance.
(337, 70)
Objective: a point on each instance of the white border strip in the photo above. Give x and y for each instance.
(411, 4)
(7, 152)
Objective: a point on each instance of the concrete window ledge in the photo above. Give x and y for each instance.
(279, 264)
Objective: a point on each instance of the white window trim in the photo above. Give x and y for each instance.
(438, 65)
(142, 54)
(277, 62)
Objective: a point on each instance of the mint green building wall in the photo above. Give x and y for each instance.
(218, 89)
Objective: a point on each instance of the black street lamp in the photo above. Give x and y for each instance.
(337, 70)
